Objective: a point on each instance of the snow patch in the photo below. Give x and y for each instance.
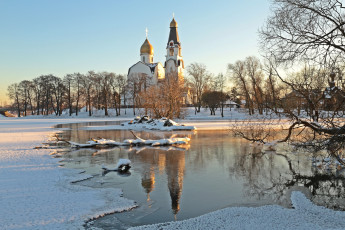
(305, 215)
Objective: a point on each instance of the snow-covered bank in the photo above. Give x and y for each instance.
(132, 142)
(305, 215)
(35, 192)
(164, 124)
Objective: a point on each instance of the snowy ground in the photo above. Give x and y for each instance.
(35, 193)
(305, 215)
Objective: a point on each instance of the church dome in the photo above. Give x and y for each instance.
(146, 48)
(173, 23)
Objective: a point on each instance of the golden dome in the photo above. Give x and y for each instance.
(173, 23)
(146, 48)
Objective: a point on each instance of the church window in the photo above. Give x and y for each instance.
(171, 44)
(143, 58)
(171, 52)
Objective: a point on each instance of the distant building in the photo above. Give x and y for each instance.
(334, 96)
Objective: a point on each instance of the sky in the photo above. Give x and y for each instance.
(41, 37)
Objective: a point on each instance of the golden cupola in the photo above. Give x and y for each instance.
(146, 48)
(173, 23)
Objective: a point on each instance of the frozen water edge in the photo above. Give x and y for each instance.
(36, 193)
(305, 215)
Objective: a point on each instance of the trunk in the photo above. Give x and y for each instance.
(119, 98)
(18, 107)
(38, 107)
(105, 107)
(89, 102)
(124, 102)
(76, 108)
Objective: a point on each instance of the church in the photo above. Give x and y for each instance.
(155, 72)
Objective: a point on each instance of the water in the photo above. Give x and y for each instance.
(215, 171)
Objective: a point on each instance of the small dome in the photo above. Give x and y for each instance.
(146, 48)
(173, 23)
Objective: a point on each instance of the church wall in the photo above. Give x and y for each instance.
(160, 72)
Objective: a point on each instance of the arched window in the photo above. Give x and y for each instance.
(171, 52)
(143, 58)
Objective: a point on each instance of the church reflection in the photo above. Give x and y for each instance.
(172, 163)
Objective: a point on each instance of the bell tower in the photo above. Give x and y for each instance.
(174, 61)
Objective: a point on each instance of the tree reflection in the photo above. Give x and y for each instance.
(271, 175)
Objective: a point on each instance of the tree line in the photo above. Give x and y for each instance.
(49, 94)
(256, 85)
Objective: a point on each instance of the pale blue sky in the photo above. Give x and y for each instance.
(66, 36)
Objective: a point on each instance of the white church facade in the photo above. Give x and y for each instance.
(155, 72)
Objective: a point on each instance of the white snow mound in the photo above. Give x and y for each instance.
(164, 124)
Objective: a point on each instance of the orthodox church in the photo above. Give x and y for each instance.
(155, 72)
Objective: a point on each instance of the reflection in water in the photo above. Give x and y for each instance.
(271, 175)
(175, 170)
(173, 162)
(215, 172)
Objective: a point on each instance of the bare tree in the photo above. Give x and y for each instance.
(213, 100)
(88, 87)
(220, 85)
(68, 81)
(77, 86)
(305, 30)
(122, 87)
(199, 80)
(138, 83)
(14, 94)
(165, 99)
(254, 72)
(105, 84)
(272, 88)
(238, 74)
(25, 89)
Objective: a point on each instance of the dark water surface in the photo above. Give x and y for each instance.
(215, 171)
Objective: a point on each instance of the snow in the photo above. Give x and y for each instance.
(305, 215)
(123, 162)
(130, 142)
(38, 194)
(164, 124)
(119, 163)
